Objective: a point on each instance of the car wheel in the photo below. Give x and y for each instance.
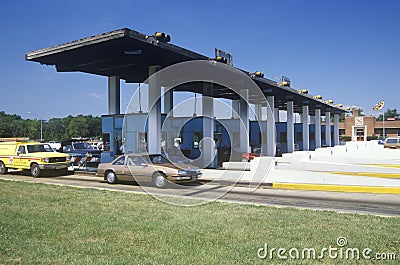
(159, 180)
(35, 170)
(3, 168)
(111, 178)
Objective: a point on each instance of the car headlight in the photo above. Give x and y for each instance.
(46, 160)
(182, 172)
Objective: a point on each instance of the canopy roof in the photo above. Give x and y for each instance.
(128, 54)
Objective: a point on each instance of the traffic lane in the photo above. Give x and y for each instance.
(377, 204)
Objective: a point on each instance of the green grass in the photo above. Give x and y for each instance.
(45, 224)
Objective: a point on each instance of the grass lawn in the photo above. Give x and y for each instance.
(45, 224)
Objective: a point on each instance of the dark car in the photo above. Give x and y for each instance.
(81, 152)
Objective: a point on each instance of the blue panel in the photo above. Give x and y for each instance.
(323, 141)
(312, 141)
(298, 127)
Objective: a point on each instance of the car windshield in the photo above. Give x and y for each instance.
(157, 159)
(35, 148)
(84, 145)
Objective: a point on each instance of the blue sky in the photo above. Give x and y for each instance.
(348, 51)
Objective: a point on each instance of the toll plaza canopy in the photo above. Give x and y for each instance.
(129, 54)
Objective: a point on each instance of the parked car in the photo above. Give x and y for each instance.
(81, 152)
(392, 143)
(247, 157)
(143, 168)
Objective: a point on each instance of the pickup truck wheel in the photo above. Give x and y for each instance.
(111, 178)
(35, 170)
(3, 168)
(159, 180)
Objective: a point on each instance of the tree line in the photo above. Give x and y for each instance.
(54, 129)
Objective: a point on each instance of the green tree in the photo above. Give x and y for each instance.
(360, 111)
(55, 129)
(78, 127)
(389, 113)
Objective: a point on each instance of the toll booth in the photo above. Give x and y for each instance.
(112, 136)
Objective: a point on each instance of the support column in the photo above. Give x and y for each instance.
(235, 109)
(168, 109)
(276, 114)
(290, 127)
(258, 111)
(154, 120)
(336, 129)
(208, 145)
(306, 129)
(270, 127)
(168, 102)
(114, 92)
(317, 128)
(328, 128)
(244, 121)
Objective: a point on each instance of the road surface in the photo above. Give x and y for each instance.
(192, 194)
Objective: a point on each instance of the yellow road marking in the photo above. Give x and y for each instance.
(384, 165)
(340, 188)
(366, 174)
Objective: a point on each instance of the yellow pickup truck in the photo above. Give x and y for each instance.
(33, 156)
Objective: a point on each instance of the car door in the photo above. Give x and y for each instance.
(139, 169)
(121, 169)
(18, 160)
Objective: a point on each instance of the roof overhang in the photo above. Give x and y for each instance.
(129, 54)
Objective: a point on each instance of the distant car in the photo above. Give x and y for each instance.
(143, 168)
(55, 145)
(392, 143)
(247, 157)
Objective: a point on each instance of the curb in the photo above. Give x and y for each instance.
(234, 183)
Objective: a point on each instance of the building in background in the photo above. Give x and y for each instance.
(363, 128)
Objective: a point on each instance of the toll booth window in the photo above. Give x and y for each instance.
(106, 141)
(218, 139)
(142, 140)
(323, 136)
(197, 136)
(299, 137)
(312, 136)
(120, 161)
(283, 137)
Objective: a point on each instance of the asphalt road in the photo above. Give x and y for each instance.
(193, 194)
